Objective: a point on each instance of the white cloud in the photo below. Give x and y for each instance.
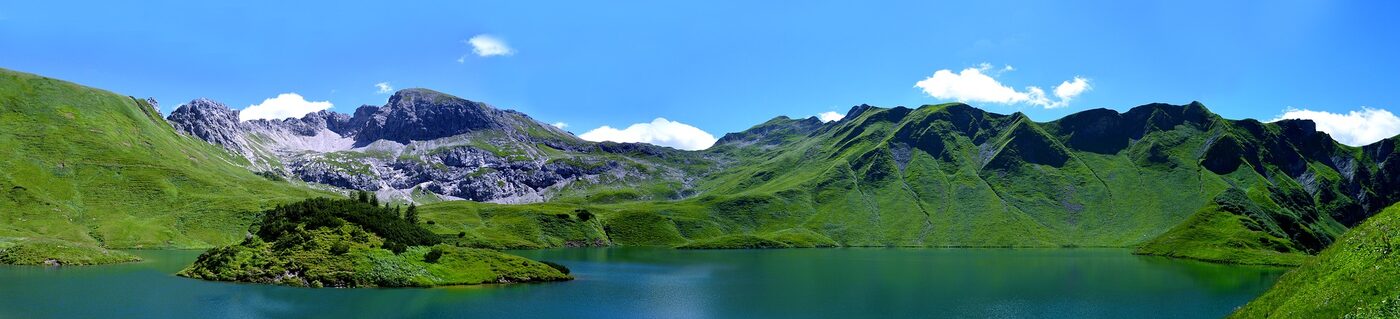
(830, 116)
(1068, 90)
(486, 45)
(660, 132)
(975, 85)
(560, 125)
(283, 106)
(384, 88)
(1354, 128)
(462, 59)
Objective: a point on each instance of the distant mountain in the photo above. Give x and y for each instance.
(954, 175)
(1172, 180)
(426, 146)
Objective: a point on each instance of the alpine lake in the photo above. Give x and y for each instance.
(670, 283)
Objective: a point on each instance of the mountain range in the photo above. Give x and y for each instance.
(1174, 180)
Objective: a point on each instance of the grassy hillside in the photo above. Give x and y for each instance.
(955, 176)
(94, 167)
(1227, 231)
(1358, 277)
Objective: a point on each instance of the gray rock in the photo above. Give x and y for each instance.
(423, 140)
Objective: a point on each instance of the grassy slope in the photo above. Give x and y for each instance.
(951, 175)
(941, 175)
(1358, 277)
(90, 166)
(1214, 234)
(50, 251)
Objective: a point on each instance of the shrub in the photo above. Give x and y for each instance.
(395, 247)
(461, 234)
(340, 248)
(411, 215)
(433, 255)
(329, 213)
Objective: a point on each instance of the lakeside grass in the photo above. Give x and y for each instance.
(1357, 277)
(52, 252)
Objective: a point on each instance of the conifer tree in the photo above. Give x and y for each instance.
(411, 215)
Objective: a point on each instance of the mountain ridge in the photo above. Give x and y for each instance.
(421, 145)
(932, 176)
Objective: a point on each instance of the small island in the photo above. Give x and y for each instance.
(53, 252)
(324, 242)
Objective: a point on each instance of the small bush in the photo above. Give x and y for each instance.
(461, 234)
(395, 247)
(340, 248)
(433, 255)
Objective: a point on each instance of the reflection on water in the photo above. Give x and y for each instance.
(665, 283)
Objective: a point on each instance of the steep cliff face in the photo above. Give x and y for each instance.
(210, 121)
(425, 142)
(422, 115)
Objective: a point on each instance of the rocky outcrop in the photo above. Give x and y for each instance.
(210, 121)
(772, 133)
(421, 114)
(429, 141)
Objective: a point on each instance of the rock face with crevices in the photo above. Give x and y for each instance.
(426, 142)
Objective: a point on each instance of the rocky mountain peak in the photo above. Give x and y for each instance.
(773, 132)
(856, 110)
(422, 114)
(209, 120)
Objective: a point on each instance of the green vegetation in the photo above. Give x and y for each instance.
(56, 252)
(529, 226)
(790, 238)
(735, 242)
(1176, 180)
(1225, 232)
(1172, 180)
(99, 169)
(325, 242)
(1357, 277)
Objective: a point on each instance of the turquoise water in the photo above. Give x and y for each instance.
(665, 283)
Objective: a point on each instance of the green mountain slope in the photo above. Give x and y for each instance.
(1357, 277)
(1226, 231)
(954, 175)
(1176, 180)
(91, 166)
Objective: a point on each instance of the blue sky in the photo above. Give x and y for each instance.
(722, 66)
